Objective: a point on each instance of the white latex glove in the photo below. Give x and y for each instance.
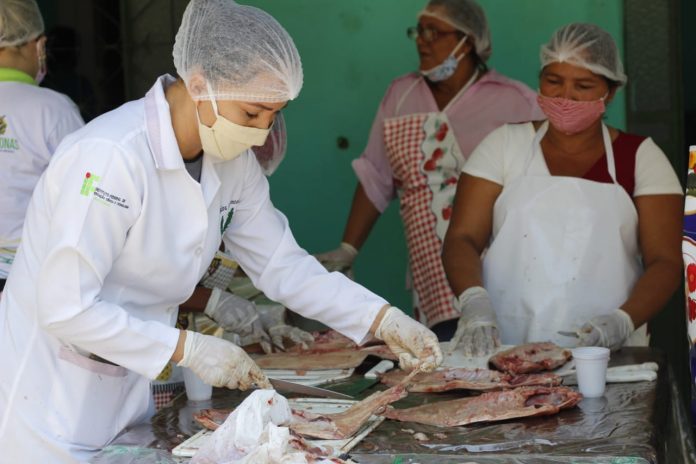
(414, 344)
(273, 321)
(339, 259)
(610, 331)
(220, 363)
(237, 315)
(477, 329)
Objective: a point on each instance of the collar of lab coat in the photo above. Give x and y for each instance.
(15, 75)
(163, 146)
(160, 133)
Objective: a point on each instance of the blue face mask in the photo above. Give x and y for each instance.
(446, 69)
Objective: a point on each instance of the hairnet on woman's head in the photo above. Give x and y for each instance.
(240, 51)
(468, 17)
(20, 22)
(587, 46)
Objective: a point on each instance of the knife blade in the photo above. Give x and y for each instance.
(355, 385)
(292, 387)
(567, 333)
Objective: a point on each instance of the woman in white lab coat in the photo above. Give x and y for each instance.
(583, 220)
(33, 120)
(118, 234)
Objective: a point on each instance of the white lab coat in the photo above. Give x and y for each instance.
(106, 259)
(33, 121)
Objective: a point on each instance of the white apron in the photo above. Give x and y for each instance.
(426, 161)
(564, 250)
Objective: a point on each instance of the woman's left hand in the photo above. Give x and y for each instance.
(415, 345)
(611, 330)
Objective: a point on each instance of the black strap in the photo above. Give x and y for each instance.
(2, 284)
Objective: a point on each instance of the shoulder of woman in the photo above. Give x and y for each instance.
(495, 79)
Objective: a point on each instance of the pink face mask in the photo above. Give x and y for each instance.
(571, 116)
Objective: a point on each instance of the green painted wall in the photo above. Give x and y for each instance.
(351, 50)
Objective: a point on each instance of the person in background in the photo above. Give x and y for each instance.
(33, 120)
(582, 221)
(426, 126)
(118, 234)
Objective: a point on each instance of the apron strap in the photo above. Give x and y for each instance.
(468, 84)
(405, 94)
(606, 138)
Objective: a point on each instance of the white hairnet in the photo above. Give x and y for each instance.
(241, 51)
(20, 22)
(468, 17)
(587, 46)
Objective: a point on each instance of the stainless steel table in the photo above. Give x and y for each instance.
(633, 423)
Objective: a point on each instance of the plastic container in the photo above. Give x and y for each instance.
(591, 370)
(196, 389)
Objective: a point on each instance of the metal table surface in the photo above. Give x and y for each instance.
(633, 423)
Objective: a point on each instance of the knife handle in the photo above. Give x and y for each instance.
(380, 368)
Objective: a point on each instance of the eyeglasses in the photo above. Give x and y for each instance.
(428, 34)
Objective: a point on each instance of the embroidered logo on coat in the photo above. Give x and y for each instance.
(7, 144)
(88, 185)
(226, 213)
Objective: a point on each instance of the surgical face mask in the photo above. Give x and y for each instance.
(227, 140)
(571, 116)
(41, 54)
(446, 69)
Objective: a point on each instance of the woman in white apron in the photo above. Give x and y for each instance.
(426, 126)
(582, 221)
(118, 233)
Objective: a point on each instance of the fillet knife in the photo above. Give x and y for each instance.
(292, 387)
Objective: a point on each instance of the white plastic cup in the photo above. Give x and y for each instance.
(591, 370)
(196, 389)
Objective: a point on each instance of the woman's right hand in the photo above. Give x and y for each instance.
(220, 363)
(339, 259)
(477, 330)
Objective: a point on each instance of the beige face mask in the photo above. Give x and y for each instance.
(227, 140)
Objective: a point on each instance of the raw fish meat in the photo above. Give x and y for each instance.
(346, 423)
(531, 357)
(490, 407)
(469, 379)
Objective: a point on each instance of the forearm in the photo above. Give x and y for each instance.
(178, 354)
(462, 264)
(197, 301)
(652, 291)
(363, 216)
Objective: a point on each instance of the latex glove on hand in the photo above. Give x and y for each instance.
(273, 321)
(477, 329)
(415, 345)
(239, 316)
(220, 363)
(340, 259)
(610, 331)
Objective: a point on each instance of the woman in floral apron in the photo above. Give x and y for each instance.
(425, 128)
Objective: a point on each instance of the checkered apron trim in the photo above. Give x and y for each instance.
(426, 162)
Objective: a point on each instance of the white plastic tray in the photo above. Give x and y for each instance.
(315, 405)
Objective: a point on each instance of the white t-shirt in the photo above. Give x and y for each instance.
(502, 156)
(33, 121)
